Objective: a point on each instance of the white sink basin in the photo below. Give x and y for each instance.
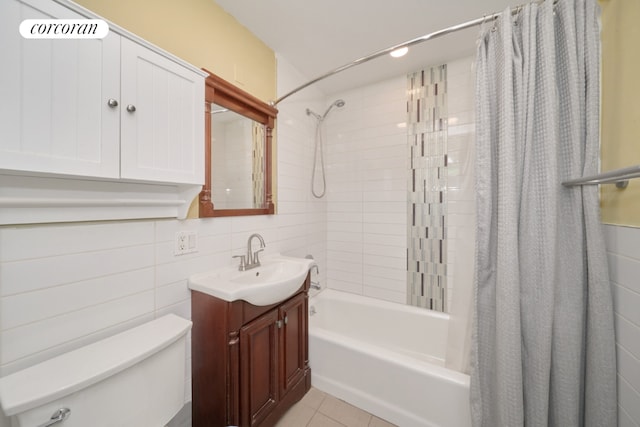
(275, 280)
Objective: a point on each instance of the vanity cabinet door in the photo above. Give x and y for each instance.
(162, 118)
(250, 363)
(293, 342)
(259, 368)
(55, 115)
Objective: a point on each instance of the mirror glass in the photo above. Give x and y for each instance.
(237, 160)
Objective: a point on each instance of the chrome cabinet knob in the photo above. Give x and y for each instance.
(112, 103)
(131, 108)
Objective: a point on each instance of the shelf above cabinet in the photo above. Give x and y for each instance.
(33, 200)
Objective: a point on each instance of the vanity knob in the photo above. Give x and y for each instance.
(131, 108)
(112, 103)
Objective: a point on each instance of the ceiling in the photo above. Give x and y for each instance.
(319, 36)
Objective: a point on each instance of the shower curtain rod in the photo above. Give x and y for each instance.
(620, 177)
(409, 43)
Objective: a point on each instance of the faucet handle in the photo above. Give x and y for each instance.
(243, 262)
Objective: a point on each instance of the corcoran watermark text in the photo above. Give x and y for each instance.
(64, 28)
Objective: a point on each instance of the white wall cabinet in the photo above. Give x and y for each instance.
(162, 125)
(54, 115)
(68, 105)
(117, 110)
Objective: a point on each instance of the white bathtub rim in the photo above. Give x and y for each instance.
(358, 317)
(391, 356)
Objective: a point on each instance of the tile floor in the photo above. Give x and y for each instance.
(319, 409)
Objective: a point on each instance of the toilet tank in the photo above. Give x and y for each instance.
(135, 378)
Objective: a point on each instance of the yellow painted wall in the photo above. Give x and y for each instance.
(620, 107)
(201, 33)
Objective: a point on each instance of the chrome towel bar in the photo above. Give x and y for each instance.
(620, 177)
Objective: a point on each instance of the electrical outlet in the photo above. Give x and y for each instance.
(186, 242)
(181, 243)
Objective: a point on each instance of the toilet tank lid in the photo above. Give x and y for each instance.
(80, 368)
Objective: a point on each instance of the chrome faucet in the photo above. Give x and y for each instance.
(315, 285)
(251, 260)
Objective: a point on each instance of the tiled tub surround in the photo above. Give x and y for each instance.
(623, 250)
(366, 191)
(367, 176)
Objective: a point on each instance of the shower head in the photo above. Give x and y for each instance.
(337, 103)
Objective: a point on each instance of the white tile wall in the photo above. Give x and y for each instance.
(302, 228)
(460, 175)
(366, 197)
(623, 247)
(63, 286)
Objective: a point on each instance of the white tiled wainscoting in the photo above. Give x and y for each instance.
(623, 247)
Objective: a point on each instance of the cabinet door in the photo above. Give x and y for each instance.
(162, 118)
(259, 368)
(292, 342)
(54, 112)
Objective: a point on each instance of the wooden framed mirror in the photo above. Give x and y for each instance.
(238, 152)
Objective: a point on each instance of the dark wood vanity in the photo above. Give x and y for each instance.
(249, 363)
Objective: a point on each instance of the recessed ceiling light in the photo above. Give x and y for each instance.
(401, 51)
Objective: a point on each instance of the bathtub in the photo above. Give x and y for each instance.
(387, 359)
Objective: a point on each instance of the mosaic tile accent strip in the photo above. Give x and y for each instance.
(427, 198)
